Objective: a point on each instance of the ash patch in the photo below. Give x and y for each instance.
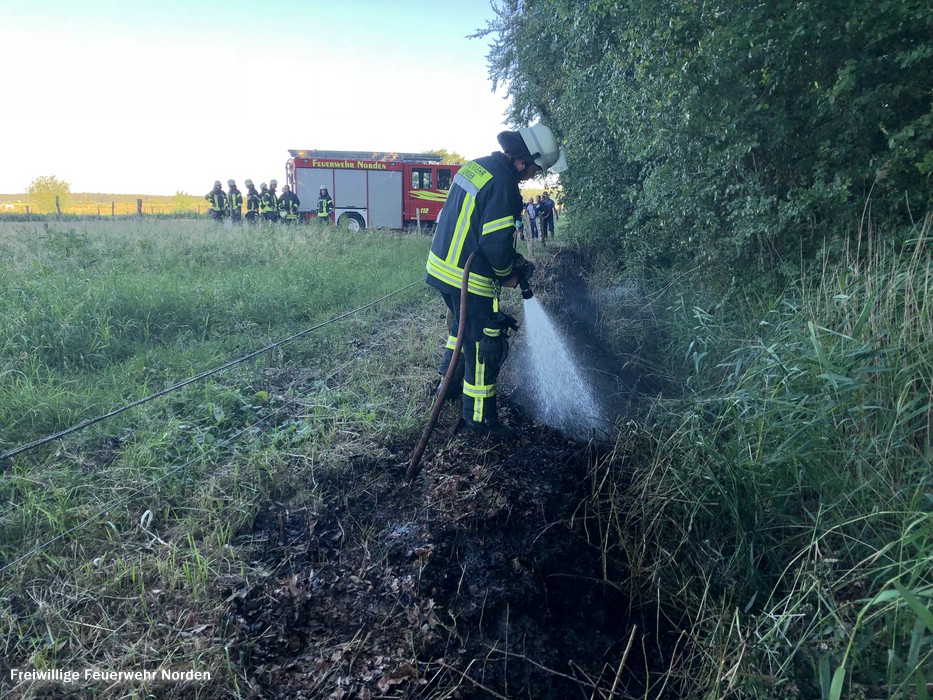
(474, 582)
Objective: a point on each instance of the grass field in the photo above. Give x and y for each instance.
(97, 204)
(777, 505)
(134, 517)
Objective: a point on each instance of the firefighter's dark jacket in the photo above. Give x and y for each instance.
(252, 200)
(235, 199)
(325, 206)
(218, 199)
(479, 213)
(268, 201)
(289, 203)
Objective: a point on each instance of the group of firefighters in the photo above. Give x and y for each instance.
(262, 205)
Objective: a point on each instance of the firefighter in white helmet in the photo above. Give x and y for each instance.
(218, 200)
(479, 216)
(325, 204)
(269, 203)
(234, 202)
(252, 203)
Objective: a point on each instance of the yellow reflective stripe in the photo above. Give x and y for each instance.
(479, 402)
(479, 392)
(498, 225)
(507, 272)
(451, 342)
(475, 174)
(461, 230)
(492, 332)
(479, 284)
(464, 184)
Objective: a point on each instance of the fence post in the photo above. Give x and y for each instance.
(112, 210)
(139, 207)
(27, 210)
(418, 217)
(58, 207)
(98, 211)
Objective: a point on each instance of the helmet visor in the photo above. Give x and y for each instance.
(561, 164)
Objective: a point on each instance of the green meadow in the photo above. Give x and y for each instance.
(775, 503)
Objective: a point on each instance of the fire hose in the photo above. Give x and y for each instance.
(416, 456)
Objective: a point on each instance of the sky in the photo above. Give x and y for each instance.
(156, 97)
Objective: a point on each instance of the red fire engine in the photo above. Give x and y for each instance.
(375, 190)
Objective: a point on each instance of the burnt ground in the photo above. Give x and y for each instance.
(477, 581)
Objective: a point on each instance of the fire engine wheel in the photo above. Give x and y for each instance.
(350, 221)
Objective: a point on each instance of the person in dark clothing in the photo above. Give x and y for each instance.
(252, 203)
(234, 202)
(218, 200)
(275, 200)
(288, 206)
(532, 218)
(549, 215)
(269, 203)
(325, 205)
(546, 216)
(479, 217)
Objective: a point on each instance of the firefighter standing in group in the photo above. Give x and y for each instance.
(479, 216)
(234, 201)
(268, 204)
(252, 203)
(274, 214)
(288, 205)
(218, 201)
(325, 205)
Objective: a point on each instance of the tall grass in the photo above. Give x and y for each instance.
(128, 308)
(786, 505)
(136, 516)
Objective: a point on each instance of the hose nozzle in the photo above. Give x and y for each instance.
(524, 269)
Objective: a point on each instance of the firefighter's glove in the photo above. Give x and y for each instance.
(523, 269)
(494, 345)
(493, 350)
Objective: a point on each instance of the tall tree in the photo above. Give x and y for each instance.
(449, 156)
(43, 190)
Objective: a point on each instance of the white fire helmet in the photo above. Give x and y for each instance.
(264, 186)
(248, 182)
(216, 183)
(543, 147)
(273, 183)
(231, 183)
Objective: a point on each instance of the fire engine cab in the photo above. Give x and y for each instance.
(371, 190)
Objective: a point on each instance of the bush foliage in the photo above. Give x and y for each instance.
(727, 133)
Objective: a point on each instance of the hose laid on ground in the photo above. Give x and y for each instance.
(414, 467)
